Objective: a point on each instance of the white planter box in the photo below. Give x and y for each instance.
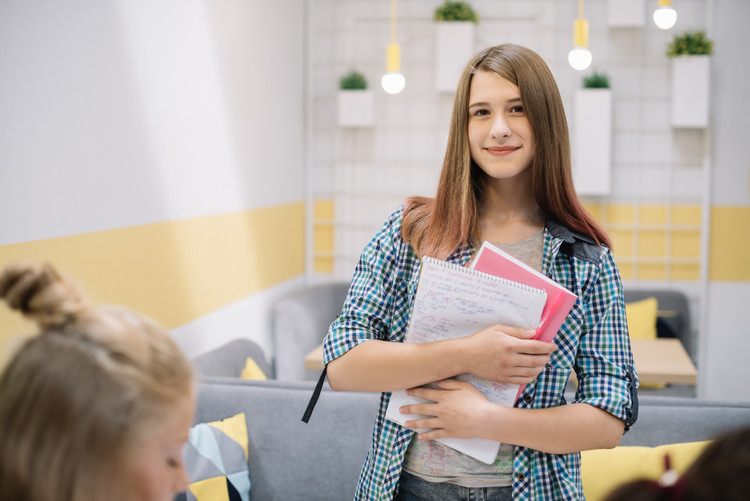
(690, 91)
(355, 108)
(454, 47)
(592, 142)
(626, 13)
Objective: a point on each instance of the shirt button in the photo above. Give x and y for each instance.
(528, 399)
(521, 477)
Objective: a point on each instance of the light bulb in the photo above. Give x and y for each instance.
(393, 82)
(579, 58)
(665, 17)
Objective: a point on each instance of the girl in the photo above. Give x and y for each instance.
(506, 178)
(96, 406)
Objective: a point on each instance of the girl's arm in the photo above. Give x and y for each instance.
(462, 411)
(499, 353)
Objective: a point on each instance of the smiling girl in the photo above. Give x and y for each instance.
(506, 178)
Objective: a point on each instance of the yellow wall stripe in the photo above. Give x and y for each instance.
(730, 241)
(174, 271)
(323, 236)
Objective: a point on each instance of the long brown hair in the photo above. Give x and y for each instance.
(438, 226)
(76, 396)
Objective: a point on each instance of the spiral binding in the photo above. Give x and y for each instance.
(477, 273)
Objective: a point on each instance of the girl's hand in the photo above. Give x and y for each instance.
(506, 354)
(459, 410)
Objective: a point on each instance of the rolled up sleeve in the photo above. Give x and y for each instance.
(604, 366)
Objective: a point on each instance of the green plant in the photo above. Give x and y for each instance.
(690, 42)
(455, 11)
(353, 80)
(596, 81)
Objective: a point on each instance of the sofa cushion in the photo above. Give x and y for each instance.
(604, 469)
(251, 370)
(641, 317)
(229, 359)
(215, 459)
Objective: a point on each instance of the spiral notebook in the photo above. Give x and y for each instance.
(454, 301)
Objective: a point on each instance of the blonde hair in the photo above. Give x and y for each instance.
(438, 226)
(79, 392)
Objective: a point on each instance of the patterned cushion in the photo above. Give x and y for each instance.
(215, 458)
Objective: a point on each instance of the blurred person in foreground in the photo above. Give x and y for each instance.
(97, 405)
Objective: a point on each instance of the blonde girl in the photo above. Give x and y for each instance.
(97, 405)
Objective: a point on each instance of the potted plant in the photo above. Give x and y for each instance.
(454, 42)
(455, 11)
(690, 53)
(596, 81)
(355, 101)
(592, 136)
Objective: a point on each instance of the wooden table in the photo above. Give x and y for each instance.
(314, 359)
(656, 361)
(663, 360)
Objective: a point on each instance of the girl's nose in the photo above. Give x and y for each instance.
(500, 127)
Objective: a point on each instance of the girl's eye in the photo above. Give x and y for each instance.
(481, 113)
(517, 109)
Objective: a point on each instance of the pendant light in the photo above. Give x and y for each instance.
(393, 81)
(580, 57)
(665, 16)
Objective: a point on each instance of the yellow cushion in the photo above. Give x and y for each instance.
(251, 370)
(604, 469)
(641, 317)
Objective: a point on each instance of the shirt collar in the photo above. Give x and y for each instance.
(559, 230)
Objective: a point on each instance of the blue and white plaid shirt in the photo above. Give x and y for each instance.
(593, 341)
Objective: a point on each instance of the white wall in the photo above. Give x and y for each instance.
(727, 334)
(369, 171)
(122, 113)
(126, 112)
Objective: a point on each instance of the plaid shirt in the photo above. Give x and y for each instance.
(593, 341)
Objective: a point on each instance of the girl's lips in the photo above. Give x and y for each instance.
(500, 151)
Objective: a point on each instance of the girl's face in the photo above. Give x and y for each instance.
(154, 470)
(500, 136)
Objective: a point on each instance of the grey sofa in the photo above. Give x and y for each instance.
(321, 460)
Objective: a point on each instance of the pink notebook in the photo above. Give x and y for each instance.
(490, 259)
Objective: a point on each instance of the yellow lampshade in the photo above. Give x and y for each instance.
(393, 58)
(581, 33)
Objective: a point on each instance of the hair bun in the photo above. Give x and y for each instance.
(40, 293)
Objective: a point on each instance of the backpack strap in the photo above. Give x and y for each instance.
(315, 395)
